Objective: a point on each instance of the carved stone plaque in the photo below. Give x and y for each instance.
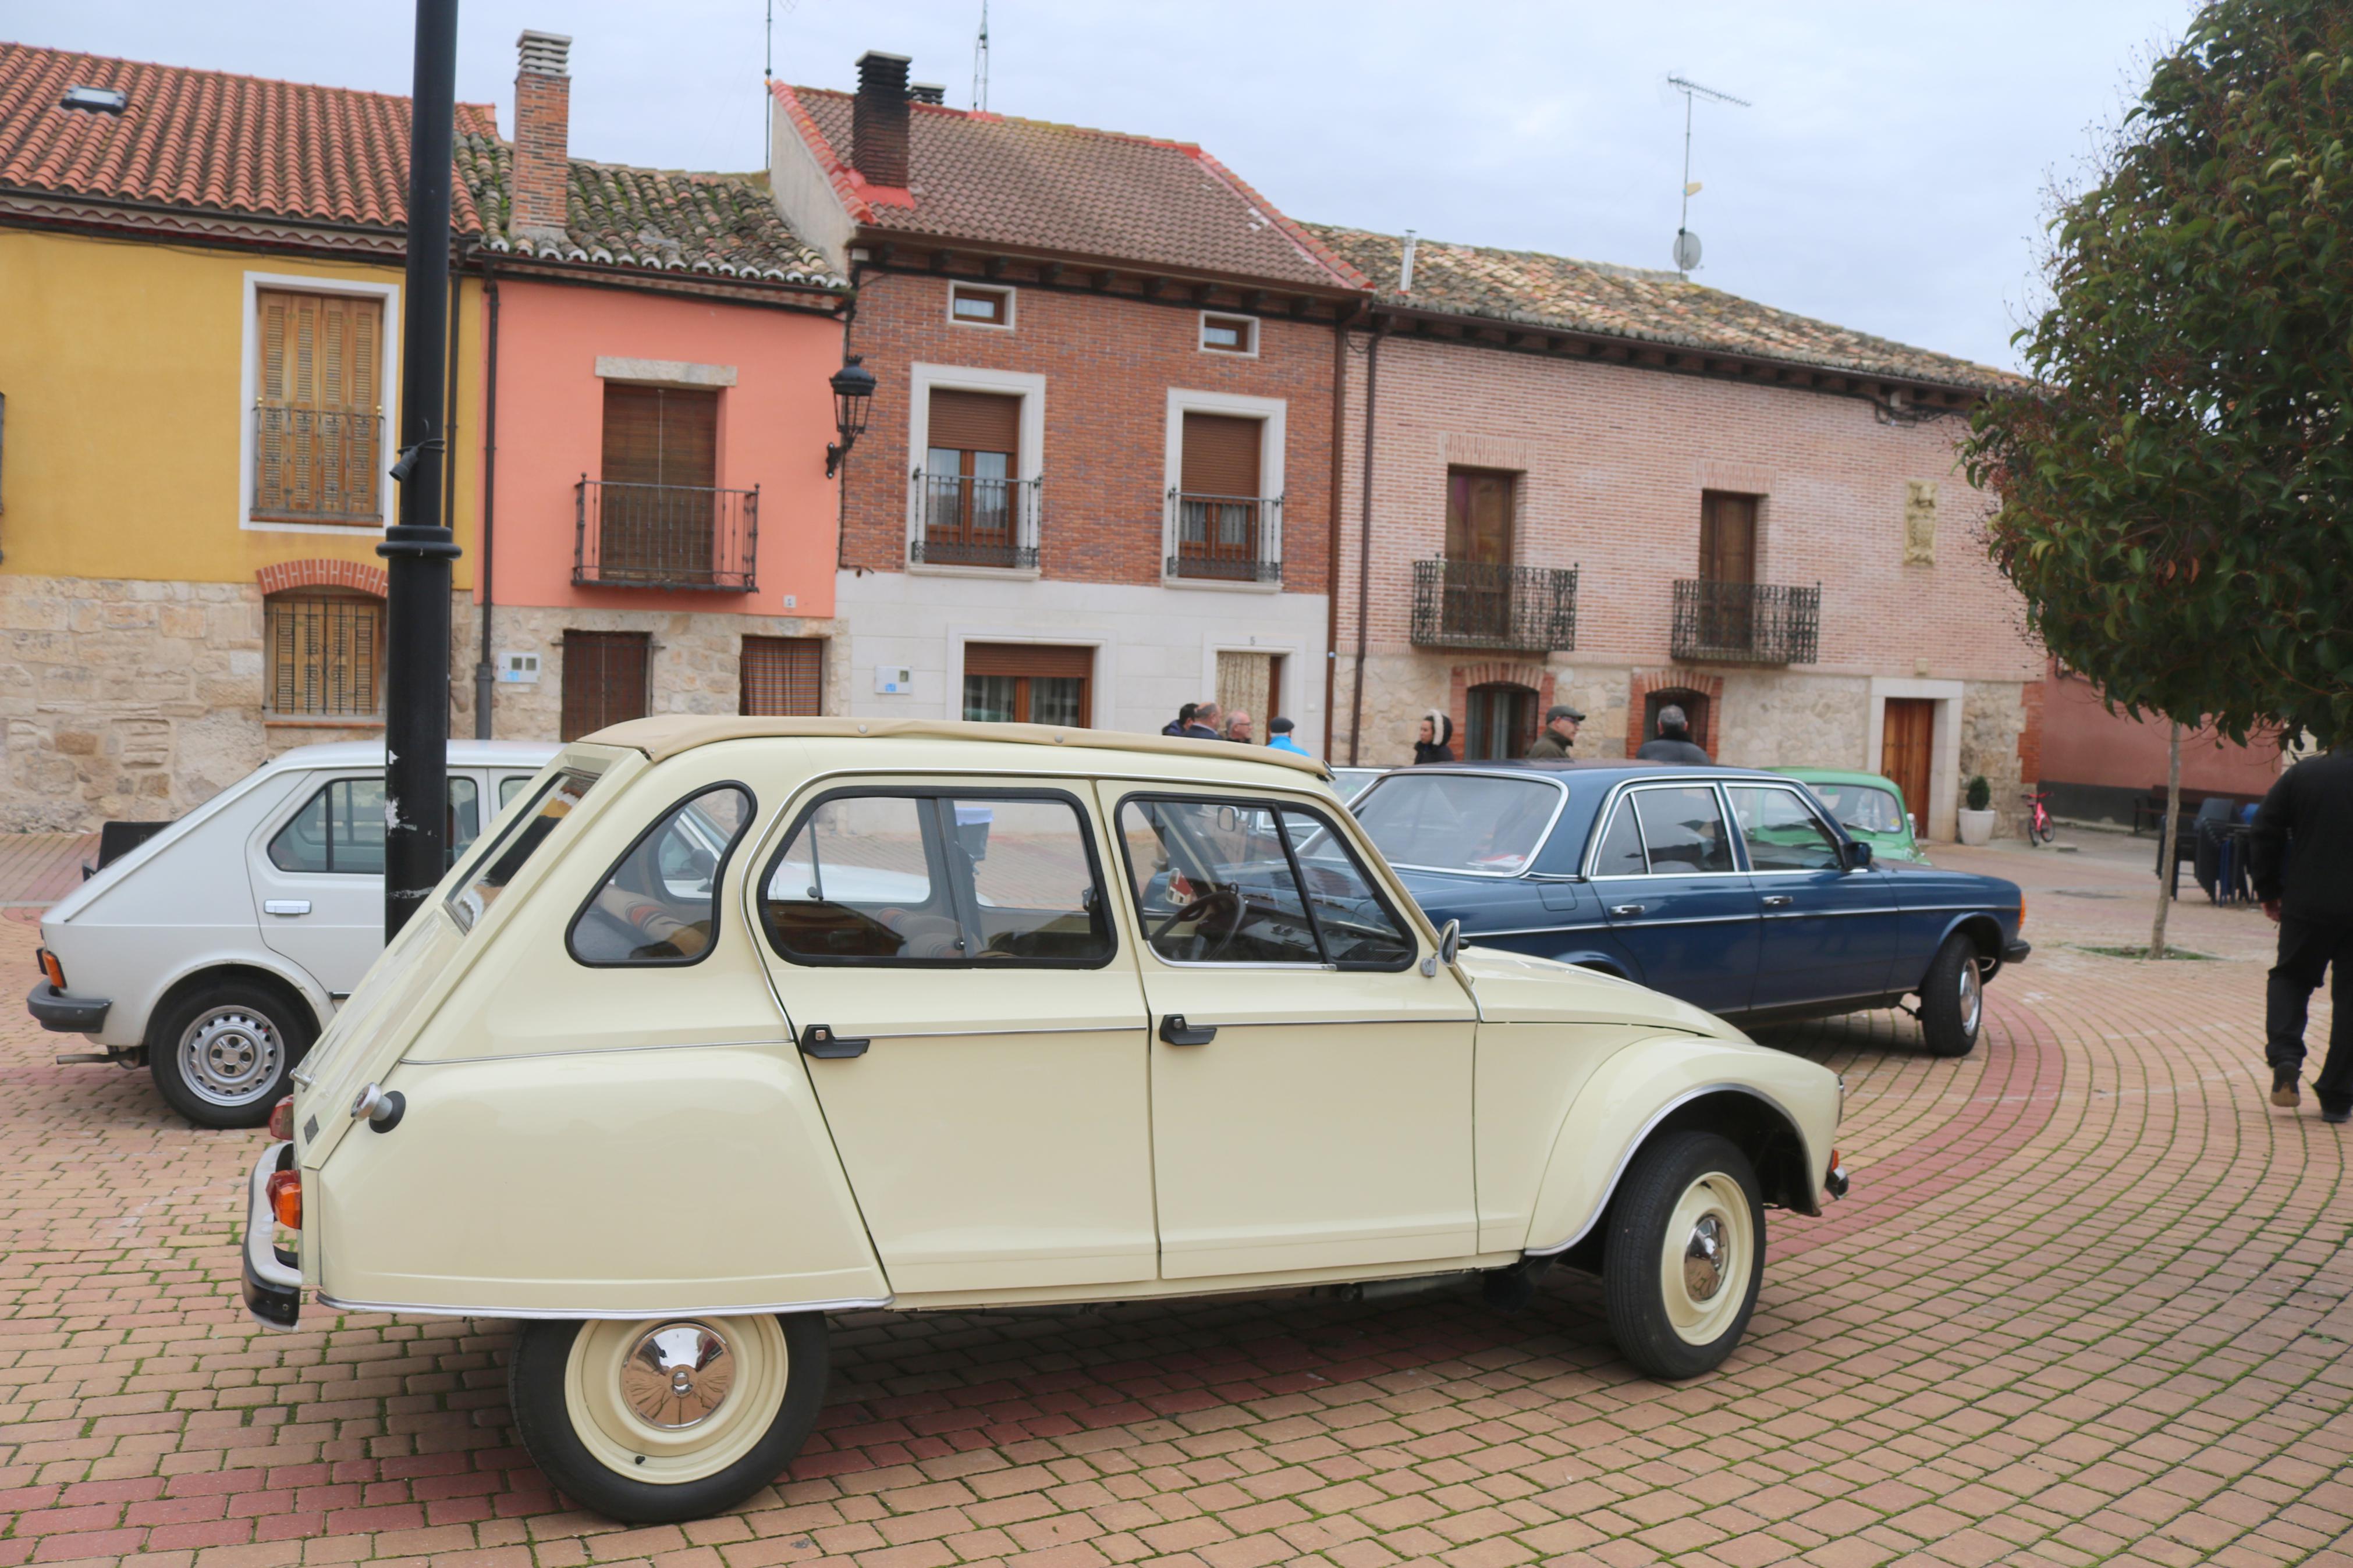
(1920, 523)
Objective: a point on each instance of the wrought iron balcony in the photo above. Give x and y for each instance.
(1229, 539)
(666, 536)
(313, 465)
(964, 520)
(1469, 604)
(1746, 623)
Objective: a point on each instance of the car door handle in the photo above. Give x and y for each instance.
(286, 906)
(1176, 1032)
(820, 1041)
(1778, 900)
(1625, 910)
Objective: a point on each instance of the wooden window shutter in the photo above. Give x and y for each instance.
(660, 436)
(1221, 454)
(1478, 516)
(1727, 537)
(604, 680)
(783, 676)
(1027, 658)
(317, 439)
(975, 421)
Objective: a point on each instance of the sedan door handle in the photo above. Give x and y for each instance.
(1625, 910)
(286, 906)
(1176, 1032)
(1778, 900)
(820, 1041)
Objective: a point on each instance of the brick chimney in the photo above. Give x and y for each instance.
(543, 123)
(878, 120)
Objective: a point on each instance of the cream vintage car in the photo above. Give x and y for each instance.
(728, 1023)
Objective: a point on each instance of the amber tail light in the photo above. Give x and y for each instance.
(50, 967)
(2021, 911)
(281, 1121)
(285, 1191)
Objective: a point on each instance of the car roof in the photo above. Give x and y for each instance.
(667, 735)
(1839, 775)
(1609, 769)
(469, 754)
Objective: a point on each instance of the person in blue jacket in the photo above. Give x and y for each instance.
(1279, 736)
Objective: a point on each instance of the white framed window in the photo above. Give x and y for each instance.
(1224, 334)
(980, 305)
(973, 507)
(282, 421)
(1223, 527)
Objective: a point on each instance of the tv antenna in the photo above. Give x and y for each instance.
(980, 63)
(1686, 242)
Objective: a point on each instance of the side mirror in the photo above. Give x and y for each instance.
(1450, 941)
(1858, 857)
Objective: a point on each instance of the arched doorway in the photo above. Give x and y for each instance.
(1696, 713)
(1501, 722)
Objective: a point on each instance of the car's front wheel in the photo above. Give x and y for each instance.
(1952, 998)
(661, 1419)
(1686, 1254)
(225, 1053)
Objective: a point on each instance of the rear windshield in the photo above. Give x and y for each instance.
(1469, 823)
(520, 838)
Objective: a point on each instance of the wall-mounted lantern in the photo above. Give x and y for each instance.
(853, 394)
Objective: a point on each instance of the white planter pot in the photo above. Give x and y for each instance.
(1976, 826)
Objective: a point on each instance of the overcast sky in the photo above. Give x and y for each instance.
(1892, 175)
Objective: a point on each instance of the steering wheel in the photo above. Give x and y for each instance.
(1200, 909)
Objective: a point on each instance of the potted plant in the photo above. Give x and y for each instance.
(1977, 814)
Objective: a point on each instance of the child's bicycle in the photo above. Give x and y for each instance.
(2038, 820)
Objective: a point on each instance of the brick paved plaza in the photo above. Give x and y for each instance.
(2088, 1304)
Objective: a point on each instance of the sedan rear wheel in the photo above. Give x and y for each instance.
(660, 1419)
(1686, 1254)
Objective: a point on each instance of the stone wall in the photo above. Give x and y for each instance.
(1781, 719)
(1993, 718)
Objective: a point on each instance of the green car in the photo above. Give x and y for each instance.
(1870, 808)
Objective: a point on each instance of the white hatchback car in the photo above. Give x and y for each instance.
(216, 951)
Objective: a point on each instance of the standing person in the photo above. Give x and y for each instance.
(1279, 738)
(1559, 734)
(2301, 851)
(1184, 717)
(1238, 727)
(1203, 725)
(1673, 742)
(1436, 729)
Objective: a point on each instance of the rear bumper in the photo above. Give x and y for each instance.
(65, 1013)
(273, 1287)
(2015, 951)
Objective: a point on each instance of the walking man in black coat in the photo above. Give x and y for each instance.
(2301, 852)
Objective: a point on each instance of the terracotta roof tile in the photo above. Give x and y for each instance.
(1528, 287)
(659, 220)
(993, 180)
(209, 141)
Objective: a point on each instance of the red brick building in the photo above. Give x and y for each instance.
(1097, 480)
(1618, 489)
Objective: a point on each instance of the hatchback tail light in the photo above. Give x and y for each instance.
(281, 1121)
(51, 968)
(285, 1191)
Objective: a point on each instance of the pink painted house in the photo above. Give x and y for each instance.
(659, 531)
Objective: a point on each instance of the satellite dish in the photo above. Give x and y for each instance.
(1687, 250)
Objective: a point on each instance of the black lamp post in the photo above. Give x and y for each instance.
(853, 394)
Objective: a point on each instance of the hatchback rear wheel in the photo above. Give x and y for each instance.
(659, 1419)
(224, 1053)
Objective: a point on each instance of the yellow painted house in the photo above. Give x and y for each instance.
(200, 303)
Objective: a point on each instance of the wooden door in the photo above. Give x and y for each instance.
(604, 680)
(1906, 736)
(1728, 537)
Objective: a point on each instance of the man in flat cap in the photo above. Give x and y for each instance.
(1559, 733)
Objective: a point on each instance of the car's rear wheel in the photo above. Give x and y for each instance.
(225, 1053)
(1952, 998)
(1686, 1254)
(660, 1419)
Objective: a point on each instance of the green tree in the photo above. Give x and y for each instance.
(2175, 493)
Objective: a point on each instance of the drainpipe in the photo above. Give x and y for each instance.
(1340, 325)
(1364, 542)
(485, 676)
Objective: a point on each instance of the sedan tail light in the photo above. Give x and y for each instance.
(285, 1191)
(281, 1121)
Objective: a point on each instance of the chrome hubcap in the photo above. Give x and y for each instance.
(1703, 1259)
(677, 1377)
(1972, 996)
(230, 1056)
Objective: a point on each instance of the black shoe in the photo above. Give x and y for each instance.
(2284, 1088)
(2337, 1114)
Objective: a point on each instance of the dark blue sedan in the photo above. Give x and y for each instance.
(1730, 888)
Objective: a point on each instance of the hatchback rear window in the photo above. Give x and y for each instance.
(525, 833)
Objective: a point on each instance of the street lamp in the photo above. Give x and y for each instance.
(853, 392)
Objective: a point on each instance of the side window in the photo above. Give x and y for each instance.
(1621, 853)
(1358, 927)
(509, 787)
(934, 878)
(465, 818)
(338, 830)
(1781, 833)
(1684, 830)
(660, 905)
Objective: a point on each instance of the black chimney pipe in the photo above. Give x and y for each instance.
(418, 548)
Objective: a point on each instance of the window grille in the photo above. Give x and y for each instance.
(326, 655)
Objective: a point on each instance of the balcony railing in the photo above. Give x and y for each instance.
(963, 520)
(1231, 539)
(1469, 604)
(1746, 623)
(665, 536)
(312, 464)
